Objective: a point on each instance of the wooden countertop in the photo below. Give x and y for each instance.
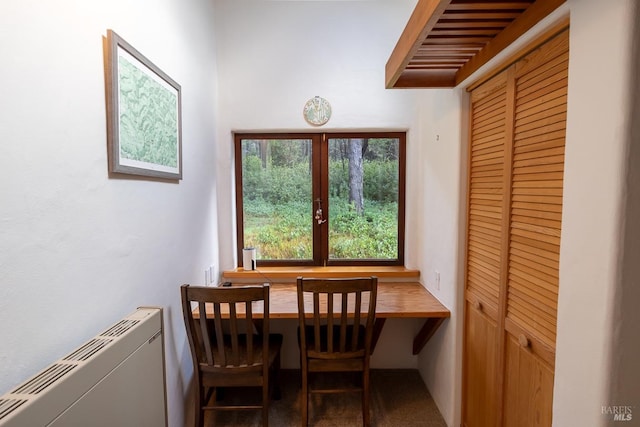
(284, 274)
(395, 300)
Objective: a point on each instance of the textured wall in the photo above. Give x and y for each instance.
(79, 250)
(275, 55)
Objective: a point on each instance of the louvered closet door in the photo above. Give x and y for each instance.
(516, 165)
(484, 250)
(534, 233)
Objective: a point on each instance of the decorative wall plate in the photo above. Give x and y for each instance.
(317, 111)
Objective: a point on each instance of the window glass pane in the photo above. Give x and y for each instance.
(363, 198)
(276, 197)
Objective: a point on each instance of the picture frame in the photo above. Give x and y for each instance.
(144, 117)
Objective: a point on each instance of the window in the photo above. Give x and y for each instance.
(322, 198)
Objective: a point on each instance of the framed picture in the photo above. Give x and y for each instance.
(144, 132)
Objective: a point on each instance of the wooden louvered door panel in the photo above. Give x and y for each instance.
(486, 194)
(480, 369)
(534, 232)
(528, 387)
(516, 166)
(485, 237)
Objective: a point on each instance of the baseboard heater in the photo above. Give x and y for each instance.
(115, 379)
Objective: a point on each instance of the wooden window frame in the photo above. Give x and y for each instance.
(320, 190)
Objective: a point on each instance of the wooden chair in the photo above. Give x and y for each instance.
(237, 357)
(335, 335)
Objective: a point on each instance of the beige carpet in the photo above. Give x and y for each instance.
(399, 398)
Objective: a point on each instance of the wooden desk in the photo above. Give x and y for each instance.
(395, 300)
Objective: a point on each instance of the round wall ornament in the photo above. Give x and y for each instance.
(317, 111)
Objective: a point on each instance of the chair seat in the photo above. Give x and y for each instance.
(275, 345)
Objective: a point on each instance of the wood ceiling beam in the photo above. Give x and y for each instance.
(466, 41)
(536, 12)
(468, 24)
(421, 22)
(434, 63)
(430, 48)
(466, 32)
(426, 78)
(480, 14)
(438, 58)
(491, 5)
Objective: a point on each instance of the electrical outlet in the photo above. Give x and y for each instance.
(206, 277)
(437, 280)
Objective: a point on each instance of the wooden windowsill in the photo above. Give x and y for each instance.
(285, 274)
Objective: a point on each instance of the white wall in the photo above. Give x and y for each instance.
(597, 140)
(79, 250)
(439, 172)
(275, 55)
(625, 345)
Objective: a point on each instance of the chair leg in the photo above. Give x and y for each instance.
(265, 403)
(277, 392)
(304, 399)
(198, 413)
(366, 416)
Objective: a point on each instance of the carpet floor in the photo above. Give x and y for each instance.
(399, 398)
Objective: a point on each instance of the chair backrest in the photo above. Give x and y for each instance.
(339, 313)
(216, 347)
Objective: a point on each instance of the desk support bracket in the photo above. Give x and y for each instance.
(428, 329)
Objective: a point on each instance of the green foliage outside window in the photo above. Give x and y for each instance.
(278, 206)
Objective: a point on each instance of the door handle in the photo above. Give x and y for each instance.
(319, 215)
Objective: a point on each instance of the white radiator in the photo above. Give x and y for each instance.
(116, 379)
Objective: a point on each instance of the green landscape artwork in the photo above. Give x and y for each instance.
(148, 118)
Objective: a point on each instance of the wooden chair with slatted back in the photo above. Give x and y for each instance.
(335, 332)
(226, 350)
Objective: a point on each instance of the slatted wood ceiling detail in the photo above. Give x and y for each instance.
(463, 29)
(446, 41)
(536, 204)
(485, 192)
